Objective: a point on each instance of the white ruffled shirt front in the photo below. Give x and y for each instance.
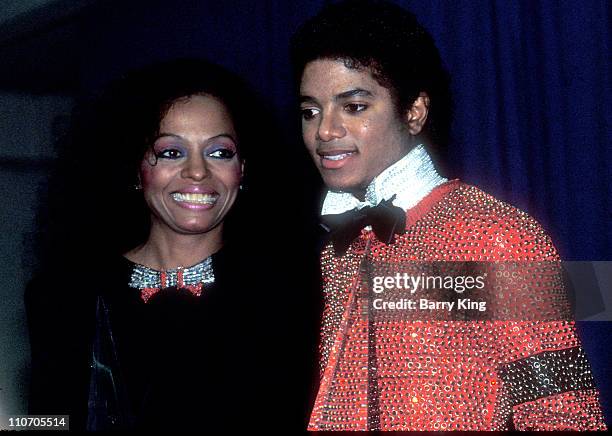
(411, 179)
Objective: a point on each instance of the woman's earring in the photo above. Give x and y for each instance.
(138, 184)
(241, 186)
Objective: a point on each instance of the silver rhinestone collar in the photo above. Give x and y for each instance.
(411, 179)
(194, 278)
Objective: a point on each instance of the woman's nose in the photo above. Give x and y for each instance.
(195, 168)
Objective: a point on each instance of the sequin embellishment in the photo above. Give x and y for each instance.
(439, 375)
(151, 281)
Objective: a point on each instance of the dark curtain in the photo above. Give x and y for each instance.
(532, 107)
(531, 83)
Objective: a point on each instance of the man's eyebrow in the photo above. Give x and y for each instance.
(307, 99)
(357, 92)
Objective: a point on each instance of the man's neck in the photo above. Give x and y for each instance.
(359, 194)
(409, 179)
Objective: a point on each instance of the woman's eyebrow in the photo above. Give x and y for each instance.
(222, 135)
(172, 135)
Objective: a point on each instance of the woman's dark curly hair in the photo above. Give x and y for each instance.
(91, 203)
(388, 41)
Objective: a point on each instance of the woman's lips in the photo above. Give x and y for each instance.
(335, 159)
(192, 200)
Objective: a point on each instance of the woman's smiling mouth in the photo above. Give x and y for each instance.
(195, 198)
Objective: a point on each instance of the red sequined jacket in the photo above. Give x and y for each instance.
(447, 375)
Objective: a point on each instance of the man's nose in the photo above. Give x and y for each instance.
(195, 167)
(330, 127)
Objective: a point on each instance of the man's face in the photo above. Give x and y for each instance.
(350, 125)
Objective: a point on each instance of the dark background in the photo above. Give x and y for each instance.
(531, 84)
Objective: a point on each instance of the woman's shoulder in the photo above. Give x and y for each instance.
(76, 283)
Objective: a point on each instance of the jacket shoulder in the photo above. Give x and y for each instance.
(479, 224)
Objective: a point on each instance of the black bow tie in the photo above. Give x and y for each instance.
(386, 221)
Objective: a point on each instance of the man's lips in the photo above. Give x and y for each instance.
(337, 156)
(334, 159)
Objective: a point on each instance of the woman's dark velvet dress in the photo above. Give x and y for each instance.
(178, 361)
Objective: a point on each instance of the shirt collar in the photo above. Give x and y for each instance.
(411, 178)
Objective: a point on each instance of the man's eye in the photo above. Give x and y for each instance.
(355, 107)
(309, 113)
(169, 153)
(222, 153)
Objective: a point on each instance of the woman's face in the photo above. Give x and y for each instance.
(191, 176)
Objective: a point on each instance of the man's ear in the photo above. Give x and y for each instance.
(417, 114)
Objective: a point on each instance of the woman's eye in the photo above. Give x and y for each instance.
(355, 107)
(222, 153)
(169, 153)
(309, 113)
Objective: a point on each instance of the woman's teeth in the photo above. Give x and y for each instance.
(195, 198)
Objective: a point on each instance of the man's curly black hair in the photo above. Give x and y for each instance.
(388, 41)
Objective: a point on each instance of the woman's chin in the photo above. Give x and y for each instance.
(197, 228)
